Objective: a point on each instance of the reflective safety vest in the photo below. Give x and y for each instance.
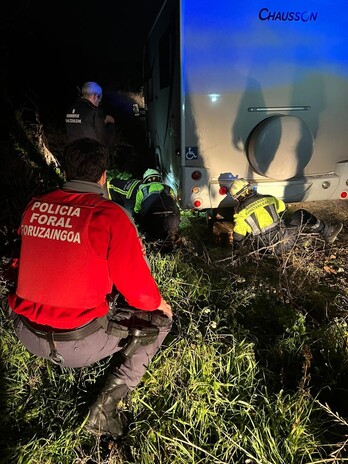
(55, 226)
(123, 192)
(257, 215)
(145, 191)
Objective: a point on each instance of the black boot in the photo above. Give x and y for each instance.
(330, 232)
(104, 417)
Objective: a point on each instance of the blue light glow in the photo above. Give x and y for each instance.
(262, 42)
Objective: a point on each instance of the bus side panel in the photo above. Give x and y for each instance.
(249, 89)
(254, 64)
(163, 92)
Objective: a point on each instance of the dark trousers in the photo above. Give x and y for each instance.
(93, 348)
(306, 220)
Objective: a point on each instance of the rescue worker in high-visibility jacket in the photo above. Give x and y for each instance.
(151, 202)
(259, 217)
(151, 185)
(76, 247)
(124, 192)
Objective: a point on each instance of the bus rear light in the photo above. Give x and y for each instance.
(195, 190)
(196, 175)
(344, 195)
(223, 190)
(197, 203)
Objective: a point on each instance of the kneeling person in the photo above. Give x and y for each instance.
(152, 204)
(76, 246)
(259, 217)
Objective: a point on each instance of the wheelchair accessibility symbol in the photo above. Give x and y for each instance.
(191, 153)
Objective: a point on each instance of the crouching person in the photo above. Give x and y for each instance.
(258, 217)
(76, 246)
(156, 209)
(152, 205)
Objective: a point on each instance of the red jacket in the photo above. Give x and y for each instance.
(74, 247)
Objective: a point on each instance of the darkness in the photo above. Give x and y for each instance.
(48, 49)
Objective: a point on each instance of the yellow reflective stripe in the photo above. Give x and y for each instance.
(116, 189)
(253, 225)
(126, 193)
(130, 191)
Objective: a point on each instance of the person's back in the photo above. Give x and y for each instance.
(77, 249)
(150, 187)
(155, 208)
(151, 203)
(85, 118)
(146, 194)
(257, 214)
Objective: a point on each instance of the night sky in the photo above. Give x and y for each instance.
(50, 47)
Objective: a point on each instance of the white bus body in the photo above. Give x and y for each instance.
(254, 89)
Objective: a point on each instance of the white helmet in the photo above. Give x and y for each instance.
(239, 188)
(151, 175)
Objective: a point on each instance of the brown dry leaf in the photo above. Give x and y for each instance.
(330, 270)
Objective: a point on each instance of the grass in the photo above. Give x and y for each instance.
(254, 371)
(239, 379)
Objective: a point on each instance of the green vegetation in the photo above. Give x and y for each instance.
(254, 372)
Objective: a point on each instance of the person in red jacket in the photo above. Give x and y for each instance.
(76, 248)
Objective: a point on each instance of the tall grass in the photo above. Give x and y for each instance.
(233, 382)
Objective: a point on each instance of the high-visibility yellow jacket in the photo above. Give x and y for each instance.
(256, 215)
(145, 191)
